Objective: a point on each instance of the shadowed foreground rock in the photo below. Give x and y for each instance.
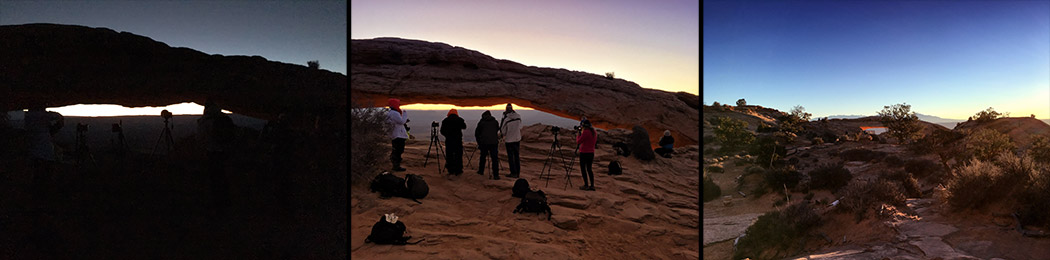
(69, 64)
(437, 73)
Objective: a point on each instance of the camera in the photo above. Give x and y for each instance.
(434, 124)
(165, 114)
(555, 129)
(576, 128)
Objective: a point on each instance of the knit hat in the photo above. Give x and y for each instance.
(509, 108)
(586, 123)
(452, 112)
(394, 103)
(667, 132)
(486, 114)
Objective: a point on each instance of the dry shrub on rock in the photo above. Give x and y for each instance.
(908, 183)
(830, 177)
(860, 196)
(972, 185)
(778, 233)
(369, 142)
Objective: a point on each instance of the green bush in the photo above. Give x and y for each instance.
(778, 178)
(987, 115)
(830, 177)
(765, 149)
(777, 233)
(900, 122)
(732, 133)
(986, 144)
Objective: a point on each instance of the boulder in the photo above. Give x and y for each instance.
(565, 222)
(641, 147)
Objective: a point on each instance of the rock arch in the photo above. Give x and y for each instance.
(68, 64)
(427, 72)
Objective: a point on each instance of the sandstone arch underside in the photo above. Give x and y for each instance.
(67, 64)
(427, 72)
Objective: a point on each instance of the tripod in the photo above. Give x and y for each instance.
(575, 154)
(121, 145)
(82, 149)
(165, 137)
(548, 164)
(440, 152)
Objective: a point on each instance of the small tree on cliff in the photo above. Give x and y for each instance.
(741, 102)
(313, 64)
(986, 116)
(900, 121)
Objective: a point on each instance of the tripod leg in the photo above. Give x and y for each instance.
(471, 157)
(427, 157)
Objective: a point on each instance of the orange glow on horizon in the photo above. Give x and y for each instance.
(108, 110)
(450, 106)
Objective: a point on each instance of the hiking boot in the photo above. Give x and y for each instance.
(590, 188)
(584, 187)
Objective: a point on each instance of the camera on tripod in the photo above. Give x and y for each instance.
(434, 124)
(555, 129)
(165, 114)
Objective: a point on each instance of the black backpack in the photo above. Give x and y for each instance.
(417, 188)
(521, 186)
(621, 149)
(388, 184)
(614, 168)
(534, 201)
(386, 233)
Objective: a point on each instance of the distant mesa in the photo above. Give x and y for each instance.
(70, 64)
(437, 73)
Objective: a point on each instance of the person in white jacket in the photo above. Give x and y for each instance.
(397, 119)
(510, 126)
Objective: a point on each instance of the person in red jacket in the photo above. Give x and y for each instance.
(586, 140)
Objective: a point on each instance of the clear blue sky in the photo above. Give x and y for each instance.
(286, 31)
(945, 58)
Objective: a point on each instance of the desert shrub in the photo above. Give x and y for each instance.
(776, 233)
(716, 104)
(923, 168)
(766, 149)
(860, 196)
(1032, 200)
(755, 170)
(369, 146)
(792, 122)
(900, 122)
(732, 133)
(780, 177)
(986, 144)
(830, 177)
(741, 102)
(972, 185)
(818, 141)
(893, 161)
(766, 128)
(859, 154)
(940, 142)
(1040, 149)
(610, 75)
(715, 168)
(711, 190)
(313, 64)
(907, 182)
(987, 115)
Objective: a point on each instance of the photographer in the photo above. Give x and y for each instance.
(487, 134)
(511, 128)
(452, 128)
(216, 130)
(397, 120)
(586, 138)
(40, 125)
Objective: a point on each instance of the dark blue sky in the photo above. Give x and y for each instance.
(945, 58)
(286, 31)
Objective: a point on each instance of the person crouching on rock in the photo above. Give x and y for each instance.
(587, 140)
(511, 128)
(666, 145)
(397, 119)
(487, 134)
(452, 128)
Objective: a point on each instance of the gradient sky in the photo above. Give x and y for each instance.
(652, 43)
(945, 58)
(286, 31)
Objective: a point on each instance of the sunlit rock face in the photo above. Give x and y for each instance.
(67, 64)
(428, 72)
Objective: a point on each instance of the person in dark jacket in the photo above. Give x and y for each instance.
(666, 145)
(587, 140)
(452, 128)
(487, 134)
